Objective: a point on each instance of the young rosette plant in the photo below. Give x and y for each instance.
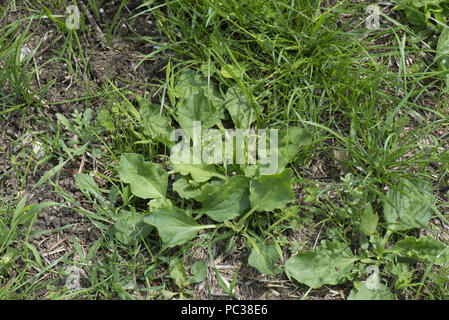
(229, 194)
(408, 205)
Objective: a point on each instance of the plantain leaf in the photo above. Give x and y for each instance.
(263, 257)
(369, 221)
(424, 248)
(155, 123)
(231, 71)
(271, 191)
(328, 264)
(227, 201)
(187, 190)
(147, 180)
(199, 172)
(409, 205)
(175, 227)
(242, 114)
(199, 100)
(129, 226)
(198, 272)
(364, 293)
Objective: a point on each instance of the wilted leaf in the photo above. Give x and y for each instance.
(178, 272)
(86, 184)
(328, 264)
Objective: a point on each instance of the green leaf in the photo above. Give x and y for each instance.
(199, 172)
(8, 259)
(156, 124)
(409, 205)
(263, 257)
(198, 272)
(86, 184)
(424, 248)
(178, 272)
(199, 100)
(328, 264)
(442, 56)
(231, 71)
(271, 192)
(369, 221)
(364, 293)
(159, 203)
(105, 119)
(129, 227)
(35, 253)
(50, 173)
(187, 190)
(227, 201)
(290, 143)
(174, 226)
(242, 114)
(147, 180)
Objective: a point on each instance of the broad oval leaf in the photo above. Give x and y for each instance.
(199, 172)
(271, 192)
(290, 143)
(175, 227)
(198, 272)
(442, 56)
(263, 257)
(231, 71)
(156, 124)
(187, 190)
(178, 272)
(199, 100)
(364, 293)
(130, 227)
(227, 201)
(369, 221)
(242, 114)
(328, 264)
(409, 205)
(424, 248)
(147, 180)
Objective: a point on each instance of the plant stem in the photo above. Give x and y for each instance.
(246, 216)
